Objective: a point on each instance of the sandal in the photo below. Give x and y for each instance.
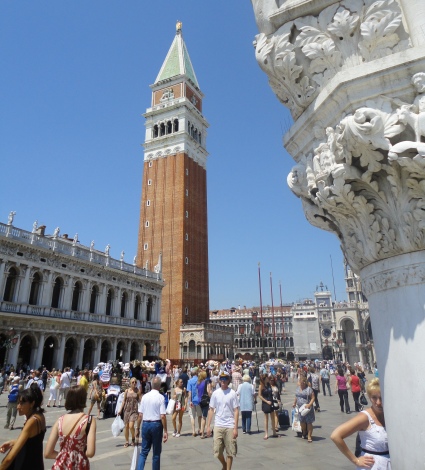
(126, 444)
(133, 442)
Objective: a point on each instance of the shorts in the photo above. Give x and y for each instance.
(195, 411)
(223, 439)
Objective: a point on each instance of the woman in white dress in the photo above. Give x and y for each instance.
(54, 389)
(370, 424)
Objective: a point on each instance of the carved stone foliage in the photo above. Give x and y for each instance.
(366, 180)
(302, 55)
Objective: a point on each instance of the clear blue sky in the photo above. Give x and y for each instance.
(74, 83)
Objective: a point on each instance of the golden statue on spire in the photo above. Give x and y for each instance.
(179, 25)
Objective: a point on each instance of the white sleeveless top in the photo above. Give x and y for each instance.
(375, 438)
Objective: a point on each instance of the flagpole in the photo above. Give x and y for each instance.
(273, 324)
(261, 310)
(283, 318)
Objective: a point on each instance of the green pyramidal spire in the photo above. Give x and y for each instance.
(177, 61)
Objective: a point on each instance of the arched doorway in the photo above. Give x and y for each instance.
(120, 351)
(104, 351)
(327, 353)
(88, 354)
(25, 349)
(290, 356)
(134, 352)
(281, 355)
(48, 352)
(148, 351)
(69, 353)
(349, 337)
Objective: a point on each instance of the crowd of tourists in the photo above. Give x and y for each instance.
(213, 395)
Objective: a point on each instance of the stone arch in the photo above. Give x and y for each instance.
(119, 353)
(105, 348)
(50, 346)
(135, 352)
(76, 296)
(88, 353)
(290, 356)
(124, 301)
(57, 293)
(149, 309)
(27, 346)
(70, 352)
(11, 286)
(35, 289)
(94, 295)
(137, 304)
(110, 301)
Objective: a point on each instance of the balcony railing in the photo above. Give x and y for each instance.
(68, 248)
(49, 312)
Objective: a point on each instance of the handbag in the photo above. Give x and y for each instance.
(170, 406)
(265, 407)
(363, 400)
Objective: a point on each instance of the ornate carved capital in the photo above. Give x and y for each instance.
(366, 180)
(304, 54)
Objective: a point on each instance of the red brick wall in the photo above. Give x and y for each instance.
(168, 226)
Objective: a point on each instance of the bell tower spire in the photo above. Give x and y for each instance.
(173, 214)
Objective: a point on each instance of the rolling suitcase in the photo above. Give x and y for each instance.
(283, 417)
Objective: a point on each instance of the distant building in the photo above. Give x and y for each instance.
(202, 341)
(256, 336)
(173, 213)
(307, 341)
(65, 304)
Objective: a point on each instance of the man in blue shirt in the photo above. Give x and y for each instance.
(193, 401)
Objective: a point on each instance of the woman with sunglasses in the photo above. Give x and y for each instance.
(130, 407)
(27, 450)
(370, 424)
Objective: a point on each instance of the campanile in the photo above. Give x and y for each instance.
(173, 213)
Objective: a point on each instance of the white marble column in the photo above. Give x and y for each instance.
(414, 15)
(47, 289)
(126, 352)
(24, 291)
(67, 295)
(79, 361)
(116, 307)
(39, 356)
(130, 304)
(85, 301)
(141, 348)
(61, 352)
(103, 296)
(113, 352)
(2, 277)
(143, 306)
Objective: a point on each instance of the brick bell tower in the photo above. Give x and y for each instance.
(173, 213)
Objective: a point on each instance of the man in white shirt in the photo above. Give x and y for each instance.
(64, 385)
(154, 426)
(226, 405)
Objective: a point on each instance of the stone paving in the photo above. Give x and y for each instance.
(190, 452)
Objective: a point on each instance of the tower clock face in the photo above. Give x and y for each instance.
(326, 332)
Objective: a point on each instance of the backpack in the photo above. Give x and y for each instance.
(13, 395)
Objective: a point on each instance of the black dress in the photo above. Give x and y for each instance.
(31, 454)
(267, 394)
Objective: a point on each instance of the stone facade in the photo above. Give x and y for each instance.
(173, 215)
(353, 76)
(72, 305)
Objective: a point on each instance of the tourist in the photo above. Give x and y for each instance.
(354, 384)
(53, 389)
(65, 383)
(314, 382)
(342, 389)
(276, 403)
(154, 425)
(179, 395)
(246, 394)
(265, 394)
(204, 392)
(224, 402)
(130, 407)
(370, 424)
(236, 378)
(35, 379)
(84, 380)
(304, 396)
(12, 404)
(26, 452)
(193, 401)
(325, 378)
(95, 394)
(76, 433)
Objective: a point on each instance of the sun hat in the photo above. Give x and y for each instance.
(224, 374)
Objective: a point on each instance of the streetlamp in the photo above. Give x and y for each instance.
(9, 343)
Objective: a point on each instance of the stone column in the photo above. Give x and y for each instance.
(14, 352)
(354, 81)
(143, 306)
(79, 361)
(113, 352)
(67, 297)
(103, 295)
(130, 306)
(39, 356)
(24, 291)
(97, 352)
(85, 301)
(116, 310)
(126, 352)
(2, 277)
(61, 352)
(141, 348)
(47, 290)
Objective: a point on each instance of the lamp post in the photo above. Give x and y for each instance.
(9, 343)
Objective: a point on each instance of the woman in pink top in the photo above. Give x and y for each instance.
(354, 383)
(341, 388)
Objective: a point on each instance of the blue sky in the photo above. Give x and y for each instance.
(74, 85)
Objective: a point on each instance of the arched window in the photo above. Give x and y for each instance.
(176, 125)
(76, 294)
(149, 309)
(35, 289)
(162, 129)
(155, 131)
(169, 127)
(192, 346)
(57, 290)
(200, 138)
(137, 303)
(124, 299)
(11, 283)
(109, 299)
(93, 299)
